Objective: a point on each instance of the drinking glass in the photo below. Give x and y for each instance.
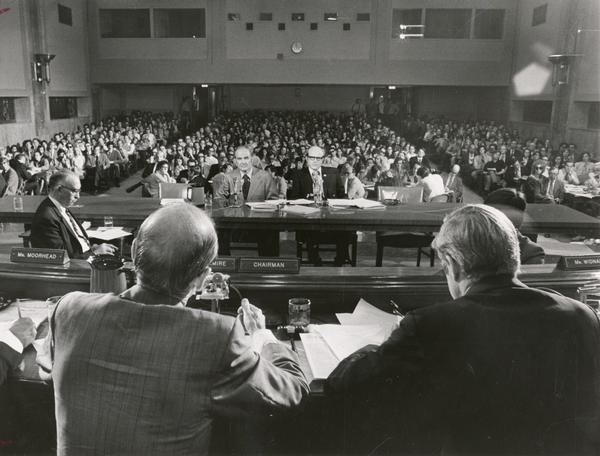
(108, 221)
(299, 311)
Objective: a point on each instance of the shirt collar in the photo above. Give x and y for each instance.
(59, 206)
(249, 173)
(487, 284)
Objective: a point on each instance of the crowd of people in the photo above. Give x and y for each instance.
(483, 155)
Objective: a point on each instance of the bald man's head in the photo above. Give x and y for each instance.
(173, 248)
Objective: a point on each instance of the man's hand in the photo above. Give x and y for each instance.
(24, 330)
(104, 249)
(252, 317)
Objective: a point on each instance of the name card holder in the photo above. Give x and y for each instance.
(38, 256)
(575, 263)
(224, 264)
(270, 265)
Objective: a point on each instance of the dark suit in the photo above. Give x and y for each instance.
(302, 187)
(50, 231)
(9, 359)
(505, 369)
(134, 378)
(333, 187)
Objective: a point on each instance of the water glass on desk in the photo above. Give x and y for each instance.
(18, 203)
(108, 221)
(299, 311)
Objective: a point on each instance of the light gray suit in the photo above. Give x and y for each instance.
(262, 185)
(134, 378)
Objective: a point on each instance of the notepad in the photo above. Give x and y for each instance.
(300, 210)
(108, 234)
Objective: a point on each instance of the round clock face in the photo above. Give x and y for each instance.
(296, 47)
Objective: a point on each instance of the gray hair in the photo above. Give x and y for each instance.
(60, 178)
(481, 240)
(174, 246)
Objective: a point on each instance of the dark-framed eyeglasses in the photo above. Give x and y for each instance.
(72, 190)
(312, 157)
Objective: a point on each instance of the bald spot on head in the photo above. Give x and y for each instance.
(174, 246)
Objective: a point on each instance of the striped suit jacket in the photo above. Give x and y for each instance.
(134, 378)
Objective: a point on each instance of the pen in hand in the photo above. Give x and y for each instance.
(395, 308)
(19, 308)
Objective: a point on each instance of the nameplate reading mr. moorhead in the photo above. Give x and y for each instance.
(270, 265)
(44, 256)
(570, 263)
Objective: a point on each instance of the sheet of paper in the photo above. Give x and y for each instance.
(360, 203)
(36, 310)
(321, 359)
(169, 201)
(266, 206)
(108, 234)
(301, 210)
(300, 201)
(346, 339)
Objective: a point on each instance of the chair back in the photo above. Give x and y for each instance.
(409, 195)
(442, 198)
(176, 191)
(197, 195)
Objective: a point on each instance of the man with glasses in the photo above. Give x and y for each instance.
(55, 227)
(329, 181)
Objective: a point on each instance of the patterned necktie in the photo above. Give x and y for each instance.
(83, 240)
(246, 186)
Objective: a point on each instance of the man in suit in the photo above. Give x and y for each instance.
(55, 227)
(553, 188)
(13, 341)
(329, 182)
(141, 373)
(420, 159)
(502, 368)
(532, 188)
(453, 183)
(10, 177)
(248, 183)
(353, 187)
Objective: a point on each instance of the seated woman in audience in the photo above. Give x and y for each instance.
(568, 175)
(153, 181)
(178, 166)
(593, 180)
(584, 167)
(512, 176)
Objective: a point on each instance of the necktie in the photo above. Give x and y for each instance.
(550, 188)
(85, 244)
(245, 186)
(450, 179)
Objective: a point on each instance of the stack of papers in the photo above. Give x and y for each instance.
(301, 210)
(360, 203)
(36, 310)
(108, 234)
(169, 201)
(300, 201)
(327, 345)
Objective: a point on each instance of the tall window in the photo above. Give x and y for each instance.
(406, 17)
(63, 107)
(65, 15)
(537, 111)
(489, 24)
(125, 23)
(447, 23)
(179, 23)
(539, 15)
(7, 110)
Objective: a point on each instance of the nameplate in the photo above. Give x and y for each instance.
(224, 264)
(571, 263)
(44, 256)
(270, 265)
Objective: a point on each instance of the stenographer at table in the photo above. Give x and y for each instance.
(140, 373)
(55, 227)
(503, 368)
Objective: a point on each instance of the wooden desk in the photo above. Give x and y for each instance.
(539, 218)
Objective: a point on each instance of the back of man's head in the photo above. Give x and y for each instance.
(481, 240)
(174, 246)
(510, 202)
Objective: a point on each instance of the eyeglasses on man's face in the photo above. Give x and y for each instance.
(314, 157)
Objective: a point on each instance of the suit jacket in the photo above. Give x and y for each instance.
(506, 369)
(12, 182)
(133, 378)
(262, 185)
(456, 186)
(50, 231)
(302, 187)
(9, 359)
(532, 188)
(415, 159)
(558, 190)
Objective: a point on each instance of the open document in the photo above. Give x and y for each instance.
(360, 203)
(327, 345)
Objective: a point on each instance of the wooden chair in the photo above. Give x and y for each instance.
(325, 239)
(409, 195)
